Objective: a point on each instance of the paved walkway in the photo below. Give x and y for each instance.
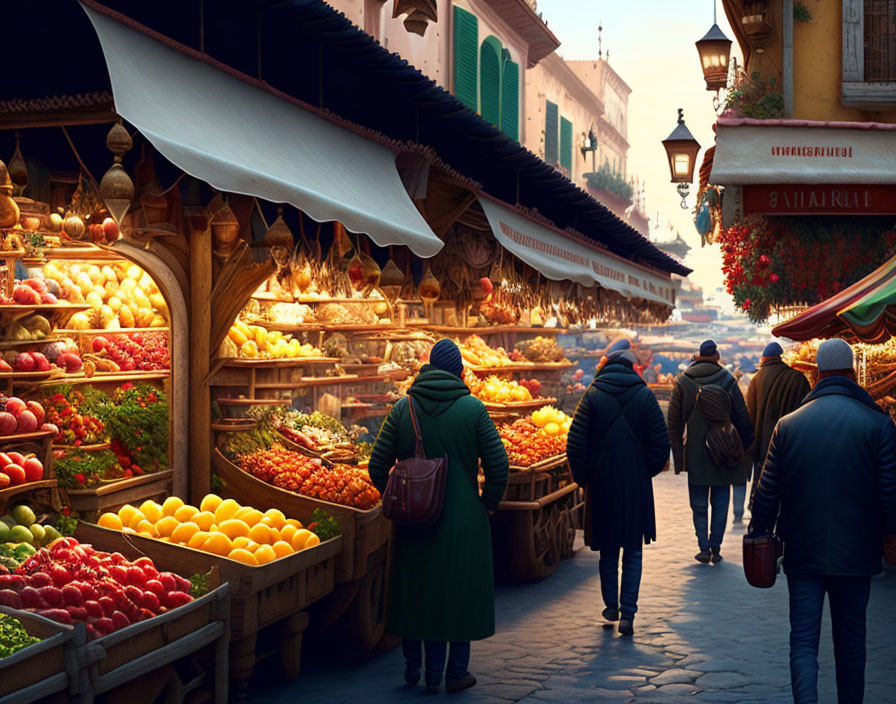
(702, 635)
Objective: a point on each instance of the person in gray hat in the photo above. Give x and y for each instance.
(829, 483)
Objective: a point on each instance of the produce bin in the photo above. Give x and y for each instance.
(90, 503)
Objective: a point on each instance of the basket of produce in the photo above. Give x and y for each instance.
(537, 441)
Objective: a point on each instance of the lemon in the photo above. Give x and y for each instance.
(151, 510)
(166, 525)
(210, 502)
(282, 548)
(135, 519)
(126, 512)
(241, 542)
(265, 554)
(300, 539)
(185, 513)
(226, 509)
(172, 503)
(198, 540)
(261, 533)
(204, 519)
(110, 520)
(287, 532)
(218, 544)
(233, 528)
(250, 516)
(184, 532)
(243, 555)
(277, 519)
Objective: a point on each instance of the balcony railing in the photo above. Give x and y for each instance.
(880, 40)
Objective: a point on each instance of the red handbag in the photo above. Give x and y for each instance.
(761, 560)
(415, 492)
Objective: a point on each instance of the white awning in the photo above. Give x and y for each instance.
(560, 257)
(243, 139)
(792, 152)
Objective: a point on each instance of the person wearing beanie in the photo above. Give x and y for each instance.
(829, 485)
(441, 579)
(617, 443)
(709, 483)
(774, 391)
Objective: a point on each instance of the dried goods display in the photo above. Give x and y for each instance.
(219, 526)
(316, 431)
(477, 353)
(540, 349)
(256, 342)
(539, 437)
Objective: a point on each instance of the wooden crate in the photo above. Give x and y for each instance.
(44, 669)
(43, 491)
(90, 503)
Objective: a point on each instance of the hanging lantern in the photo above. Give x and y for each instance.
(116, 187)
(279, 234)
(714, 50)
(18, 170)
(681, 150)
(9, 209)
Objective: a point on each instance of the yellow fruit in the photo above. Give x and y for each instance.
(261, 533)
(244, 556)
(110, 520)
(210, 502)
(282, 548)
(226, 509)
(312, 541)
(265, 554)
(300, 539)
(198, 540)
(135, 519)
(172, 503)
(184, 532)
(151, 510)
(552, 429)
(218, 544)
(249, 349)
(250, 516)
(204, 519)
(278, 520)
(185, 513)
(287, 533)
(237, 336)
(126, 512)
(233, 528)
(144, 526)
(294, 522)
(252, 546)
(166, 525)
(241, 542)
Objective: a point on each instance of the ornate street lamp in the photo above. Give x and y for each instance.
(714, 50)
(681, 150)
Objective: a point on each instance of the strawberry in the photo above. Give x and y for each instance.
(143, 563)
(15, 582)
(136, 576)
(183, 584)
(119, 574)
(134, 593)
(117, 558)
(10, 598)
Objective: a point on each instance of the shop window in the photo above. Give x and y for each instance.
(550, 132)
(466, 58)
(490, 80)
(510, 97)
(869, 53)
(566, 145)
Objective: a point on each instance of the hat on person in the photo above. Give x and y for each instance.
(772, 349)
(708, 348)
(834, 355)
(618, 347)
(446, 356)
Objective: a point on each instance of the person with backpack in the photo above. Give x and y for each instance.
(441, 577)
(617, 443)
(710, 430)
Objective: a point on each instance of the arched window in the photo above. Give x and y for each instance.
(466, 42)
(510, 97)
(490, 54)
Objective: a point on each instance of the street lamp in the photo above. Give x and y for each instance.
(681, 150)
(714, 50)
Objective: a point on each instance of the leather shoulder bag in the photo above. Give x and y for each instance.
(415, 491)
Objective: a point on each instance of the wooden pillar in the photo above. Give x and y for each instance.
(200, 334)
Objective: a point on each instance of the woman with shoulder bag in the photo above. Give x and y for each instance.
(441, 578)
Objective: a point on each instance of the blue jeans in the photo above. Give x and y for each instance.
(631, 580)
(701, 498)
(458, 659)
(848, 599)
(738, 497)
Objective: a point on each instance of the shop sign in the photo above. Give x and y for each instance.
(844, 199)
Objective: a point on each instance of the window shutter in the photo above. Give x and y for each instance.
(510, 97)
(566, 145)
(550, 132)
(490, 80)
(466, 50)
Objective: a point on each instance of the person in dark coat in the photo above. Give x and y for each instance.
(830, 473)
(708, 483)
(617, 443)
(774, 391)
(441, 579)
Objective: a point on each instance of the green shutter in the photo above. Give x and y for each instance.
(566, 145)
(510, 97)
(466, 49)
(550, 132)
(490, 80)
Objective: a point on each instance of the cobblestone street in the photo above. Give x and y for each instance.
(702, 634)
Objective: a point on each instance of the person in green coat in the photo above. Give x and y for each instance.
(441, 579)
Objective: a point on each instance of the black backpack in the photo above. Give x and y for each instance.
(722, 439)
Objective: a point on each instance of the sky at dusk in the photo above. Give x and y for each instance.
(651, 45)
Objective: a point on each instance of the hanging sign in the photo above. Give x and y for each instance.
(794, 199)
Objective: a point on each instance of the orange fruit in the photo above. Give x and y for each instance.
(265, 554)
(172, 503)
(166, 525)
(312, 541)
(110, 520)
(204, 519)
(198, 540)
(151, 510)
(243, 555)
(184, 532)
(300, 539)
(250, 516)
(233, 528)
(277, 519)
(210, 502)
(226, 509)
(282, 548)
(218, 544)
(185, 513)
(144, 526)
(126, 513)
(293, 522)
(241, 542)
(135, 519)
(252, 546)
(287, 533)
(260, 533)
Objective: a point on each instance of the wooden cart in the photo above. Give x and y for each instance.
(535, 525)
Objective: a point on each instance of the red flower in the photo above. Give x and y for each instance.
(763, 260)
(80, 477)
(747, 304)
(773, 278)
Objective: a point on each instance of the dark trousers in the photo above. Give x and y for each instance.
(848, 600)
(701, 498)
(738, 498)
(458, 659)
(627, 600)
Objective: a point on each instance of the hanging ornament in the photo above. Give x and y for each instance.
(116, 187)
(9, 209)
(18, 170)
(391, 281)
(279, 234)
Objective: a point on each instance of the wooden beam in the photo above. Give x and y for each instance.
(200, 338)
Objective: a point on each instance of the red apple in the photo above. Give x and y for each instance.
(37, 410)
(37, 284)
(25, 295)
(27, 422)
(34, 469)
(25, 362)
(8, 423)
(4, 460)
(110, 228)
(15, 473)
(96, 233)
(16, 458)
(15, 405)
(71, 361)
(48, 299)
(99, 343)
(41, 363)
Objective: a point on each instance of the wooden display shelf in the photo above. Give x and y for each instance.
(311, 381)
(12, 344)
(32, 377)
(534, 404)
(542, 466)
(490, 330)
(101, 378)
(321, 327)
(523, 367)
(280, 362)
(48, 307)
(10, 491)
(26, 437)
(254, 401)
(96, 447)
(92, 253)
(70, 332)
(113, 495)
